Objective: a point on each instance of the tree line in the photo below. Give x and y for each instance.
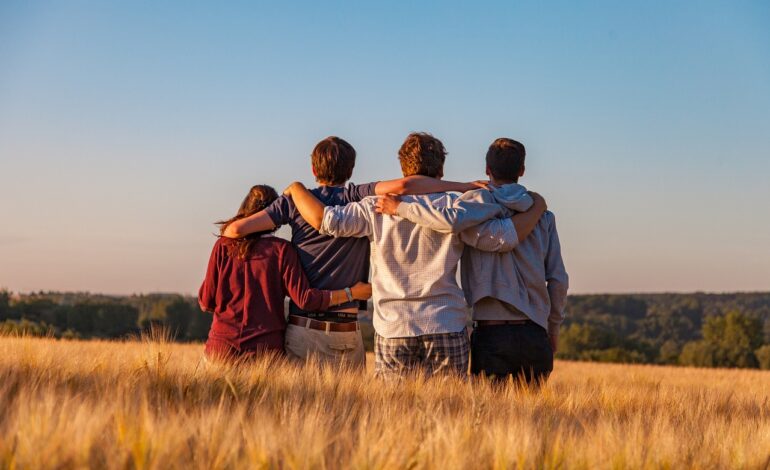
(87, 316)
(707, 330)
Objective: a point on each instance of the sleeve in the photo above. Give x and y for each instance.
(296, 285)
(356, 192)
(352, 220)
(208, 292)
(279, 211)
(556, 278)
(460, 215)
(496, 235)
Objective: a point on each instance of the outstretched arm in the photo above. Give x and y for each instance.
(503, 235)
(418, 184)
(453, 218)
(309, 207)
(486, 235)
(258, 222)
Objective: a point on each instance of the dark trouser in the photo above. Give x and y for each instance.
(521, 351)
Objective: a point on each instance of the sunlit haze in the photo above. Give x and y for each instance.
(127, 129)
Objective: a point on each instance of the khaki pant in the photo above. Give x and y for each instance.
(333, 347)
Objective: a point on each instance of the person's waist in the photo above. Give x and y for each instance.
(321, 325)
(492, 309)
(340, 313)
(485, 323)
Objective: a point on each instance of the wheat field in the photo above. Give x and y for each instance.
(155, 404)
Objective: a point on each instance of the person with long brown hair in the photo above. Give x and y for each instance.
(247, 281)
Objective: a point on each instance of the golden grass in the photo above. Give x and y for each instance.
(155, 404)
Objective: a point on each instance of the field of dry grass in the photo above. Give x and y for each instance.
(153, 404)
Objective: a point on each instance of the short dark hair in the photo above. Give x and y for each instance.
(505, 159)
(422, 154)
(333, 160)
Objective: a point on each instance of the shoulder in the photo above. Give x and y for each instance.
(278, 209)
(357, 192)
(477, 195)
(275, 245)
(222, 242)
(276, 242)
(280, 202)
(365, 203)
(549, 218)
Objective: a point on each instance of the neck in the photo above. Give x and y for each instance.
(326, 183)
(498, 182)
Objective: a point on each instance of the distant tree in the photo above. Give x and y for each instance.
(178, 316)
(24, 327)
(699, 354)
(5, 304)
(767, 329)
(728, 341)
(763, 356)
(200, 323)
(736, 336)
(669, 352)
(576, 339)
(615, 354)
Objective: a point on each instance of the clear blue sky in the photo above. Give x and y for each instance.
(127, 128)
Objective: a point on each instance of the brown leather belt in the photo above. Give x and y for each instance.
(502, 322)
(323, 325)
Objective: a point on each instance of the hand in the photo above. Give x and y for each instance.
(479, 184)
(290, 188)
(554, 340)
(361, 291)
(387, 204)
(538, 202)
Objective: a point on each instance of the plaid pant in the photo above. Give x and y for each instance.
(443, 353)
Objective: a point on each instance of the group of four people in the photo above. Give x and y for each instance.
(412, 232)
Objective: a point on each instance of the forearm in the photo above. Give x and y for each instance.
(418, 184)
(258, 222)
(311, 209)
(337, 297)
(425, 185)
(525, 222)
(455, 219)
(557, 294)
(496, 235)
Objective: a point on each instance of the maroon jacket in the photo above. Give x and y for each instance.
(246, 296)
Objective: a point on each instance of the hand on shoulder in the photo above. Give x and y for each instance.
(387, 204)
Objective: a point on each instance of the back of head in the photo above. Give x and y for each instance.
(333, 161)
(258, 198)
(505, 159)
(422, 154)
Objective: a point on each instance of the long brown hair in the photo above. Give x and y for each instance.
(259, 197)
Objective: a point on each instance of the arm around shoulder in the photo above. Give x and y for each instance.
(259, 222)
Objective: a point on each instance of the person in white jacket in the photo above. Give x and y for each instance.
(519, 296)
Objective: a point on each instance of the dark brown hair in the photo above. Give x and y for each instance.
(333, 160)
(505, 159)
(259, 197)
(422, 154)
